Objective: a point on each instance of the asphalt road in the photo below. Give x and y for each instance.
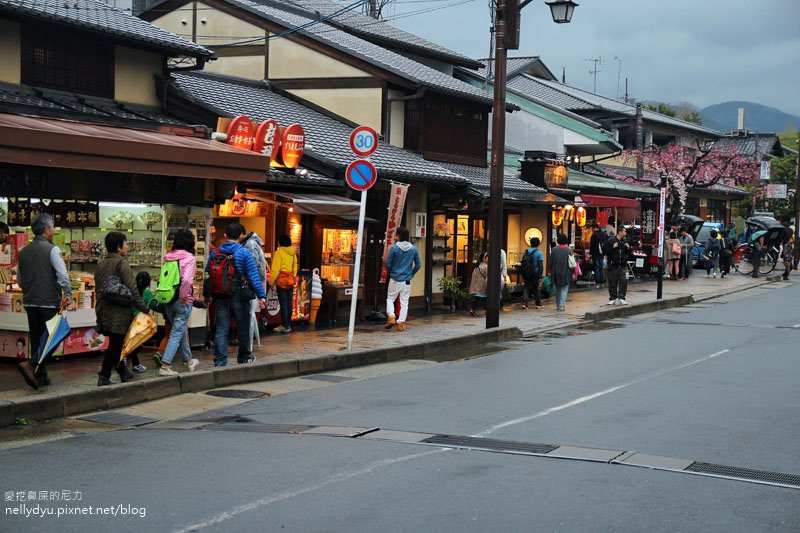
(718, 382)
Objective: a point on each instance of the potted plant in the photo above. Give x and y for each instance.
(451, 290)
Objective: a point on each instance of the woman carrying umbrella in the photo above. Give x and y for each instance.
(115, 284)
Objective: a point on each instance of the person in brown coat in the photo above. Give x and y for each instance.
(477, 285)
(114, 319)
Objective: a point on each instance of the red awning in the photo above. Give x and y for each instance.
(51, 142)
(594, 200)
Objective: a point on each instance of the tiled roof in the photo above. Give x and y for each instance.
(24, 99)
(718, 187)
(574, 99)
(381, 32)
(328, 138)
(516, 65)
(768, 145)
(378, 56)
(514, 189)
(98, 16)
(313, 179)
(582, 181)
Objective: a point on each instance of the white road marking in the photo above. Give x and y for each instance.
(796, 326)
(302, 490)
(584, 399)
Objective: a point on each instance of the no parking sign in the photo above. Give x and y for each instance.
(361, 175)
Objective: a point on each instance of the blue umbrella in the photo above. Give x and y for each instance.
(56, 330)
(754, 237)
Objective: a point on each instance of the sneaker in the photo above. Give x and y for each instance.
(279, 329)
(125, 375)
(525, 305)
(157, 358)
(390, 322)
(103, 381)
(193, 364)
(539, 306)
(612, 302)
(139, 369)
(27, 374)
(472, 312)
(287, 330)
(622, 301)
(165, 370)
(714, 275)
(401, 326)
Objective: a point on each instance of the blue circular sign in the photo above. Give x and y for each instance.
(361, 175)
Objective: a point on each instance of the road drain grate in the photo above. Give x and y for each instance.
(113, 418)
(478, 443)
(765, 476)
(238, 393)
(249, 427)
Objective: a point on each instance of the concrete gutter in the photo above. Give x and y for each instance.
(48, 406)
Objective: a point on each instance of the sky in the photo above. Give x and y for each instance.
(699, 51)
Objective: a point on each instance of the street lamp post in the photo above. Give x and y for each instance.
(507, 10)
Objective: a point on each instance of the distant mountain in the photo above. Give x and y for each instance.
(757, 117)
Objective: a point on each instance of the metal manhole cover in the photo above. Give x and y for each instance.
(119, 419)
(238, 393)
(329, 377)
(480, 443)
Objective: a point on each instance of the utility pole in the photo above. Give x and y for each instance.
(373, 8)
(797, 208)
(639, 141)
(619, 73)
(496, 184)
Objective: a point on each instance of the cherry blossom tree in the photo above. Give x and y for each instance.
(688, 168)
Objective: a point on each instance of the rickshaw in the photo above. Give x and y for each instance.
(757, 227)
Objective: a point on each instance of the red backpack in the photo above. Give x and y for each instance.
(221, 275)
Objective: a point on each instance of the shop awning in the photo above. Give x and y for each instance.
(57, 143)
(594, 200)
(313, 204)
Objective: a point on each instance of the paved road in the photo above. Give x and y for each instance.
(717, 382)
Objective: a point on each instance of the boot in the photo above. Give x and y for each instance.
(390, 322)
(125, 375)
(401, 326)
(103, 381)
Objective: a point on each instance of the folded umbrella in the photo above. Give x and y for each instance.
(55, 331)
(142, 328)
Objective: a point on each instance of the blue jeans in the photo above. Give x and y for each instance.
(178, 313)
(285, 301)
(599, 275)
(240, 309)
(561, 296)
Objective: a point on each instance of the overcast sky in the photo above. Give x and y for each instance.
(700, 51)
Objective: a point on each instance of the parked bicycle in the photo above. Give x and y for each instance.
(743, 259)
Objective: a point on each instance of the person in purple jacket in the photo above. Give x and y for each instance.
(237, 304)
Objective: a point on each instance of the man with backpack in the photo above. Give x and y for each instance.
(532, 268)
(232, 282)
(598, 258)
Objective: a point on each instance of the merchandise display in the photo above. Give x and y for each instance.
(338, 256)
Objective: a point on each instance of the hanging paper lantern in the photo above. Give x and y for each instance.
(558, 216)
(580, 217)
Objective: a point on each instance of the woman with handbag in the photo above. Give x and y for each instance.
(673, 248)
(116, 292)
(282, 277)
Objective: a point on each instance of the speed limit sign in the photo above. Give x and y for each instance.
(363, 141)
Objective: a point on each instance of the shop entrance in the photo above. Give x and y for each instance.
(462, 244)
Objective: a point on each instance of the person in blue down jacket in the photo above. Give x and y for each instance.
(402, 263)
(238, 303)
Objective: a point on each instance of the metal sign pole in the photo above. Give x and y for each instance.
(356, 270)
(661, 217)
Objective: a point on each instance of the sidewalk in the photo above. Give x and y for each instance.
(75, 390)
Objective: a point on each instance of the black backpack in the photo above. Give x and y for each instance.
(528, 266)
(713, 250)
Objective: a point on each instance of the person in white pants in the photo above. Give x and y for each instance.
(402, 263)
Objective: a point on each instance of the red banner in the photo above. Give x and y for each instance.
(397, 203)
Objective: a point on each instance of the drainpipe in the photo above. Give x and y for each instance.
(388, 118)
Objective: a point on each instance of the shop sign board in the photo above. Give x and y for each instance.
(397, 203)
(293, 143)
(765, 170)
(363, 141)
(14, 344)
(361, 175)
(267, 139)
(240, 133)
(661, 211)
(65, 214)
(649, 221)
(777, 190)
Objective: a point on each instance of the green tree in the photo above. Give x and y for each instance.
(689, 113)
(783, 170)
(661, 107)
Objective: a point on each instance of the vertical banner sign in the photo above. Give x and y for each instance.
(662, 206)
(649, 221)
(765, 170)
(397, 202)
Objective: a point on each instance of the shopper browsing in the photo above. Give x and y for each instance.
(283, 275)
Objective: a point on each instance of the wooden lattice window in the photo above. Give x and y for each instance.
(63, 61)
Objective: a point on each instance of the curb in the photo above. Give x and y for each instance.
(49, 406)
(617, 311)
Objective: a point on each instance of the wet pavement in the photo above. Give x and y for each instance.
(79, 372)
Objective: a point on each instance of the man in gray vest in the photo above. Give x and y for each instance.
(44, 280)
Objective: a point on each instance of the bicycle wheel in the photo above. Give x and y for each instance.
(769, 261)
(743, 260)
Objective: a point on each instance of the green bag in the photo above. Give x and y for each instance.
(547, 285)
(169, 282)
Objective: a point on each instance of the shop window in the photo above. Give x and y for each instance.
(61, 61)
(338, 256)
(717, 211)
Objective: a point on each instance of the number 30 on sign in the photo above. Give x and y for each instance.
(363, 141)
